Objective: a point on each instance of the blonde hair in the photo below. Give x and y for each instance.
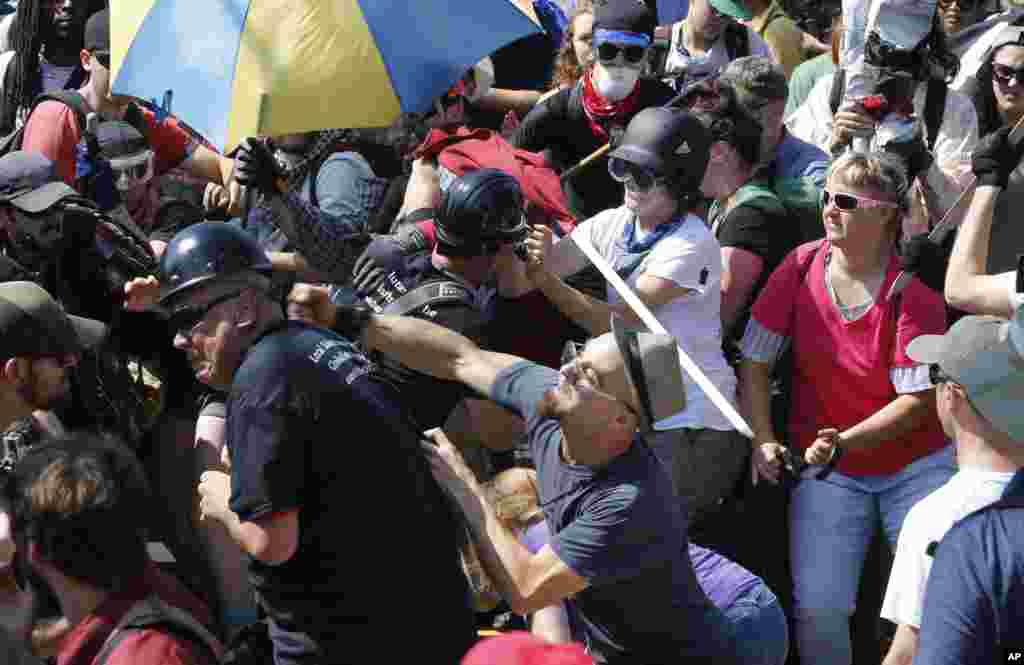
(881, 171)
(513, 495)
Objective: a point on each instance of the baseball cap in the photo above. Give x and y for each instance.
(520, 648)
(33, 323)
(734, 8)
(626, 21)
(756, 80)
(984, 355)
(97, 32)
(653, 371)
(28, 182)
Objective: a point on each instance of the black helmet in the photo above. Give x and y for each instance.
(670, 142)
(208, 251)
(480, 211)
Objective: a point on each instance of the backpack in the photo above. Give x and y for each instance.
(150, 613)
(934, 102)
(70, 98)
(798, 198)
(737, 40)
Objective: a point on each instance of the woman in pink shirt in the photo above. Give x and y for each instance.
(854, 391)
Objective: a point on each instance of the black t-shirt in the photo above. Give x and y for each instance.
(768, 235)
(428, 399)
(559, 126)
(620, 528)
(310, 427)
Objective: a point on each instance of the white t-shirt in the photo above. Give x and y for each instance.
(928, 521)
(691, 258)
(686, 69)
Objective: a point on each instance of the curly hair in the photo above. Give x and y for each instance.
(568, 69)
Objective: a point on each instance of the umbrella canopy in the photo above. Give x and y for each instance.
(238, 68)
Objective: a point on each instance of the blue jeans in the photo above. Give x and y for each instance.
(832, 522)
(759, 628)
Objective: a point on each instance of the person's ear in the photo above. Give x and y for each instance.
(12, 370)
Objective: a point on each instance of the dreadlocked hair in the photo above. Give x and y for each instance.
(25, 80)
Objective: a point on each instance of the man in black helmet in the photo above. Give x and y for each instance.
(311, 431)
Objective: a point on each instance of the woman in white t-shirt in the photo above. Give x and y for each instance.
(671, 260)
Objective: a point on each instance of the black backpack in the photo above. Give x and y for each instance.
(934, 102)
(70, 98)
(150, 613)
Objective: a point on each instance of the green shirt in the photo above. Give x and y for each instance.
(803, 79)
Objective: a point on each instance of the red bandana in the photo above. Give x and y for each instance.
(600, 112)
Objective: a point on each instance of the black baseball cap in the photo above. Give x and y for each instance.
(33, 323)
(29, 182)
(97, 32)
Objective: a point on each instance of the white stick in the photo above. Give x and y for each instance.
(724, 405)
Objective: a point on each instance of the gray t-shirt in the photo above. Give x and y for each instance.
(620, 528)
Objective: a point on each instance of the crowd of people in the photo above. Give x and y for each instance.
(622, 348)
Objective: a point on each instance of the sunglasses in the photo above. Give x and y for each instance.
(185, 319)
(607, 52)
(636, 177)
(848, 202)
(937, 376)
(964, 5)
(102, 57)
(1004, 74)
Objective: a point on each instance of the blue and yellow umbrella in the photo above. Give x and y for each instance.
(238, 68)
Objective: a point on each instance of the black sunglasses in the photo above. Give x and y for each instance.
(607, 52)
(1003, 74)
(937, 376)
(184, 319)
(102, 57)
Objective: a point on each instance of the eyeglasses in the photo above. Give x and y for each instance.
(964, 5)
(847, 202)
(570, 352)
(1004, 74)
(937, 376)
(185, 319)
(607, 52)
(102, 57)
(635, 177)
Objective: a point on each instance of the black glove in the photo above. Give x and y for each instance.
(914, 153)
(995, 159)
(368, 275)
(926, 259)
(256, 166)
(350, 321)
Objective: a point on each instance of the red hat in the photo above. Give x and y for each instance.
(519, 648)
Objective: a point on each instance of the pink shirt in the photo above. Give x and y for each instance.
(842, 368)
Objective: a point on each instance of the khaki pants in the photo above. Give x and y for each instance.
(705, 466)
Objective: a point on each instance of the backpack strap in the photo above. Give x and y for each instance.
(934, 108)
(835, 95)
(153, 613)
(430, 294)
(737, 40)
(70, 98)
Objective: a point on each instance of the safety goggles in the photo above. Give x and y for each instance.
(608, 52)
(1004, 74)
(637, 178)
(133, 170)
(185, 319)
(846, 202)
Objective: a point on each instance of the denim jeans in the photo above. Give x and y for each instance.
(832, 522)
(759, 628)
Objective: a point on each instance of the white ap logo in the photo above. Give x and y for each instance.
(683, 149)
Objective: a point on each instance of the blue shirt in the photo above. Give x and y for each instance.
(974, 601)
(620, 528)
(796, 158)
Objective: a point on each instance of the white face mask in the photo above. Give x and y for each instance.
(615, 83)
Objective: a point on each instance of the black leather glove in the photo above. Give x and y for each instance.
(256, 166)
(995, 159)
(350, 321)
(926, 259)
(914, 153)
(368, 274)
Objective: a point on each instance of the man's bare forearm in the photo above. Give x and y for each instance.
(420, 345)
